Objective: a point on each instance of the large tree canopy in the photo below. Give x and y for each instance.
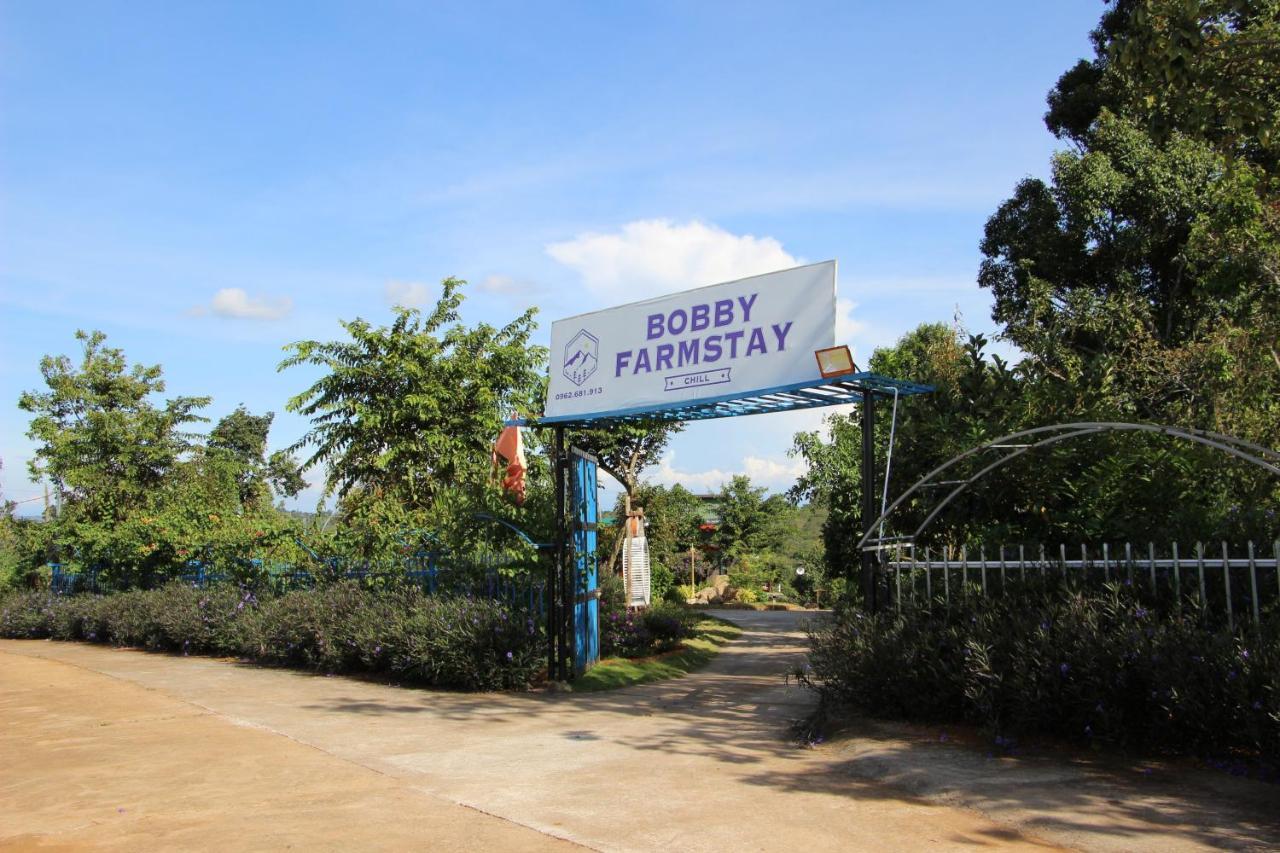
(411, 409)
(1141, 281)
(101, 440)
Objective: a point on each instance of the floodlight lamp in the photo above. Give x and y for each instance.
(835, 361)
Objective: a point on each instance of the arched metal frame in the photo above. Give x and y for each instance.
(1256, 454)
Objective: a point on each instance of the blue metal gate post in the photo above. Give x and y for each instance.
(586, 594)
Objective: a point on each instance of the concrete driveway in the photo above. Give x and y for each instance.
(119, 749)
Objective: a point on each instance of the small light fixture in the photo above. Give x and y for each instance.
(835, 361)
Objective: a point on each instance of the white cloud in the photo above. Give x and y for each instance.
(776, 475)
(500, 284)
(236, 303)
(407, 294)
(847, 326)
(655, 256)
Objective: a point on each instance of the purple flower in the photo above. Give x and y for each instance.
(1064, 668)
(509, 656)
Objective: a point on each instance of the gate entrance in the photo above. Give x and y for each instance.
(754, 346)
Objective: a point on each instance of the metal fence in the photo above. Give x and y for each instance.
(1233, 583)
(497, 576)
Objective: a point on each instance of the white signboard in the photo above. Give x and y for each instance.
(725, 340)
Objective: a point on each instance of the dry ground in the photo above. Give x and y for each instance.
(110, 749)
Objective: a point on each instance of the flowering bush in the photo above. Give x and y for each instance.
(1087, 666)
(668, 624)
(461, 642)
(632, 634)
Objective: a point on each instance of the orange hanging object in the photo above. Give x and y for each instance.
(510, 447)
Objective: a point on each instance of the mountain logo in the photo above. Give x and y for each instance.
(581, 357)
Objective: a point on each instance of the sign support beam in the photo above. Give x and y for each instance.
(868, 496)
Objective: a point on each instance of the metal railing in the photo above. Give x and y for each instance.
(1231, 582)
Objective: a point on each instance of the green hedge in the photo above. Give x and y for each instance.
(1094, 667)
(468, 643)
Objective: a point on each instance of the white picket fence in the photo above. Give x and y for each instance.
(1237, 584)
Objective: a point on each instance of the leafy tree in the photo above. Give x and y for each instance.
(412, 409)
(673, 516)
(1143, 280)
(744, 519)
(100, 440)
(403, 422)
(1204, 68)
(624, 451)
(242, 437)
(976, 398)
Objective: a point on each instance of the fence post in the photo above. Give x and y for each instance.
(946, 573)
(1022, 562)
(928, 576)
(1084, 565)
(1106, 568)
(982, 554)
(1253, 586)
(1128, 561)
(1204, 604)
(1226, 584)
(1004, 583)
(1151, 564)
(1062, 560)
(1177, 577)
(897, 583)
(964, 570)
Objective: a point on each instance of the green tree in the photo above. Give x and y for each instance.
(412, 409)
(744, 519)
(242, 438)
(673, 516)
(1204, 68)
(624, 451)
(1143, 280)
(101, 441)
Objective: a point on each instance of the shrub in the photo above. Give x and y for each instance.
(446, 641)
(668, 624)
(1086, 666)
(623, 634)
(26, 616)
(676, 595)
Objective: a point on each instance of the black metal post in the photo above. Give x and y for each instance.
(868, 496)
(555, 577)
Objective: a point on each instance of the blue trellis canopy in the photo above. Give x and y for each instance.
(815, 393)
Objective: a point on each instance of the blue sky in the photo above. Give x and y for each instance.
(208, 182)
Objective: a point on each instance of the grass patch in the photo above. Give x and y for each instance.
(694, 653)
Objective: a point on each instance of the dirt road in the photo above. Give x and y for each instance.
(115, 749)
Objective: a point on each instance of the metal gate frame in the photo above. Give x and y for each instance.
(573, 617)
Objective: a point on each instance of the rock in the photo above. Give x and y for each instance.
(709, 596)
